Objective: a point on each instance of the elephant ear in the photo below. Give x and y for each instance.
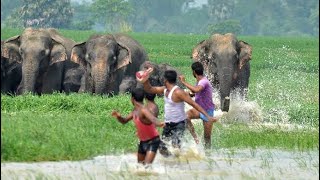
(244, 52)
(78, 54)
(124, 57)
(199, 51)
(58, 52)
(10, 50)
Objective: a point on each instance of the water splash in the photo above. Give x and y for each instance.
(218, 164)
(240, 111)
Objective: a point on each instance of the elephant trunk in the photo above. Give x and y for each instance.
(226, 80)
(100, 77)
(29, 78)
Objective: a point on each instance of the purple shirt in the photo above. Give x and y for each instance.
(204, 97)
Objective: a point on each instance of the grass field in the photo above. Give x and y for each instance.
(284, 82)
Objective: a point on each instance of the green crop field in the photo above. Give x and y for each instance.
(284, 83)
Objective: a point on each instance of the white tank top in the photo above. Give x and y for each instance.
(173, 112)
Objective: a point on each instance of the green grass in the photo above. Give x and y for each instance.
(284, 80)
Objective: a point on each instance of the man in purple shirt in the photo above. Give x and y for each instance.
(203, 96)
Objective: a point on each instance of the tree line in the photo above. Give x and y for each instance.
(245, 17)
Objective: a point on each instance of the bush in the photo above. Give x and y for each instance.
(82, 25)
(228, 26)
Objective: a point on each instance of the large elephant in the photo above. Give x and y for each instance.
(226, 62)
(110, 61)
(10, 72)
(43, 55)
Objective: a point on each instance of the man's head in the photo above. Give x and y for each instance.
(197, 68)
(137, 94)
(170, 76)
(150, 96)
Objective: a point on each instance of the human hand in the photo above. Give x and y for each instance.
(115, 114)
(182, 78)
(213, 119)
(143, 76)
(161, 124)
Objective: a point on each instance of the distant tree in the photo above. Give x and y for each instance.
(44, 13)
(111, 13)
(8, 6)
(82, 16)
(153, 15)
(228, 26)
(220, 10)
(314, 19)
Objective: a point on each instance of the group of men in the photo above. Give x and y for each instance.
(176, 120)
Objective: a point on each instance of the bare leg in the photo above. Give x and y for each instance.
(192, 114)
(149, 157)
(141, 158)
(207, 127)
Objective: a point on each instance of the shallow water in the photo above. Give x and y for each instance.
(191, 163)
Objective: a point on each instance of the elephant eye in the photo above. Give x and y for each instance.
(42, 53)
(20, 51)
(89, 57)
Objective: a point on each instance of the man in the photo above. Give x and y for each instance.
(203, 96)
(174, 111)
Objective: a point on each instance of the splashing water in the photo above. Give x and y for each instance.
(221, 164)
(240, 110)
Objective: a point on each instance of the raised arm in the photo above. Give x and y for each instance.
(193, 89)
(153, 89)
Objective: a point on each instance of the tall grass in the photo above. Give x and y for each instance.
(284, 82)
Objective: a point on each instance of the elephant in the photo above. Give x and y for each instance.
(226, 63)
(44, 57)
(110, 62)
(157, 76)
(10, 73)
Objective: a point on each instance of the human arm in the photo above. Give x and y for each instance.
(193, 89)
(143, 77)
(153, 89)
(150, 118)
(186, 98)
(121, 119)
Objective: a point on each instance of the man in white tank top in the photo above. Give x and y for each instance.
(174, 111)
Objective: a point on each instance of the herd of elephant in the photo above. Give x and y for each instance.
(44, 61)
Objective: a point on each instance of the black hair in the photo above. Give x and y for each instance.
(150, 96)
(170, 76)
(197, 67)
(137, 94)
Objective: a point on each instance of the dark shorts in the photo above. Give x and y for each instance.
(172, 132)
(149, 145)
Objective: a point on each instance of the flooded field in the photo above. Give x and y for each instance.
(191, 163)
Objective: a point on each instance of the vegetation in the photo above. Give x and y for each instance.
(41, 13)
(284, 82)
(252, 17)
